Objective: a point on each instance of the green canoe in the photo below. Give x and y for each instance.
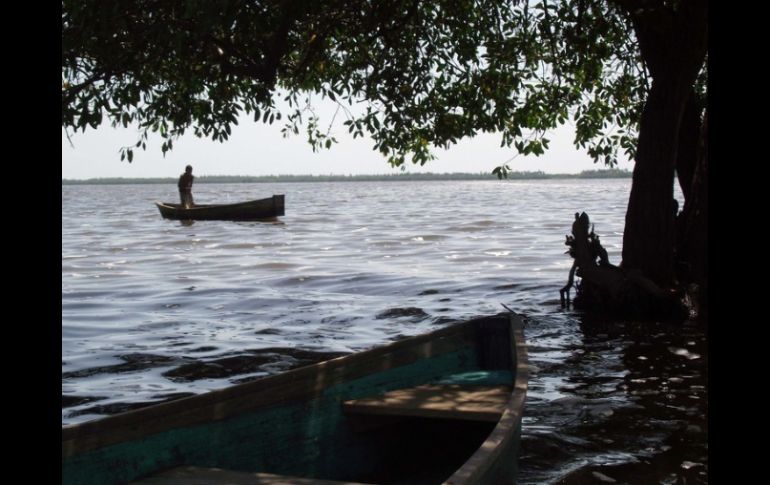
(444, 407)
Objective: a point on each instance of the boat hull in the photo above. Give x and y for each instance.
(254, 210)
(294, 423)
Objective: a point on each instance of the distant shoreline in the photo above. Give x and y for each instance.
(235, 179)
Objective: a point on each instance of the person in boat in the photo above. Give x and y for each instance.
(185, 187)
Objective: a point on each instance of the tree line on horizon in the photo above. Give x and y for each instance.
(536, 175)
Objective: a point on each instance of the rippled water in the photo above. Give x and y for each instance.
(154, 310)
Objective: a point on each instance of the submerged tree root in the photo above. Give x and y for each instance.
(608, 288)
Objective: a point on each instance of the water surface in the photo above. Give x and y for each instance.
(154, 310)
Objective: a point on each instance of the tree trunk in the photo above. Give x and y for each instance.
(673, 44)
(648, 239)
(698, 236)
(695, 244)
(689, 136)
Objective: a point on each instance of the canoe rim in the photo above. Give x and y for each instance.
(484, 457)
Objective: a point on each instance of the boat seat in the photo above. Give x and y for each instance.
(449, 401)
(193, 475)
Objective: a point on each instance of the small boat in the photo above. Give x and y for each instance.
(441, 408)
(253, 210)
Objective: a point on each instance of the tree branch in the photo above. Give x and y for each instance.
(70, 93)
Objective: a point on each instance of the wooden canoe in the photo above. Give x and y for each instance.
(444, 407)
(253, 210)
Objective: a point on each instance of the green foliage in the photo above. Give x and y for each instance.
(413, 75)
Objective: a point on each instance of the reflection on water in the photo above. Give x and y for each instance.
(617, 402)
(154, 310)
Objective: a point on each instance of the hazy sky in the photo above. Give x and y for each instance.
(259, 149)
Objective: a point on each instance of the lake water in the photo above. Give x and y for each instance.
(154, 310)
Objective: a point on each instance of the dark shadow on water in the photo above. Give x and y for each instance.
(68, 401)
(274, 221)
(133, 362)
(264, 361)
(412, 313)
(249, 364)
(634, 407)
(121, 407)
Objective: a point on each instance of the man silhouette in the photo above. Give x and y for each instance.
(185, 187)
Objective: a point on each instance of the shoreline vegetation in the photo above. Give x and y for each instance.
(236, 179)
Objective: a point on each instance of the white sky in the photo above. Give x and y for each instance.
(260, 149)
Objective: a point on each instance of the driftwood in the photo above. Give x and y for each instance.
(604, 286)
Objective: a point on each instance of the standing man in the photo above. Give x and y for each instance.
(185, 187)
